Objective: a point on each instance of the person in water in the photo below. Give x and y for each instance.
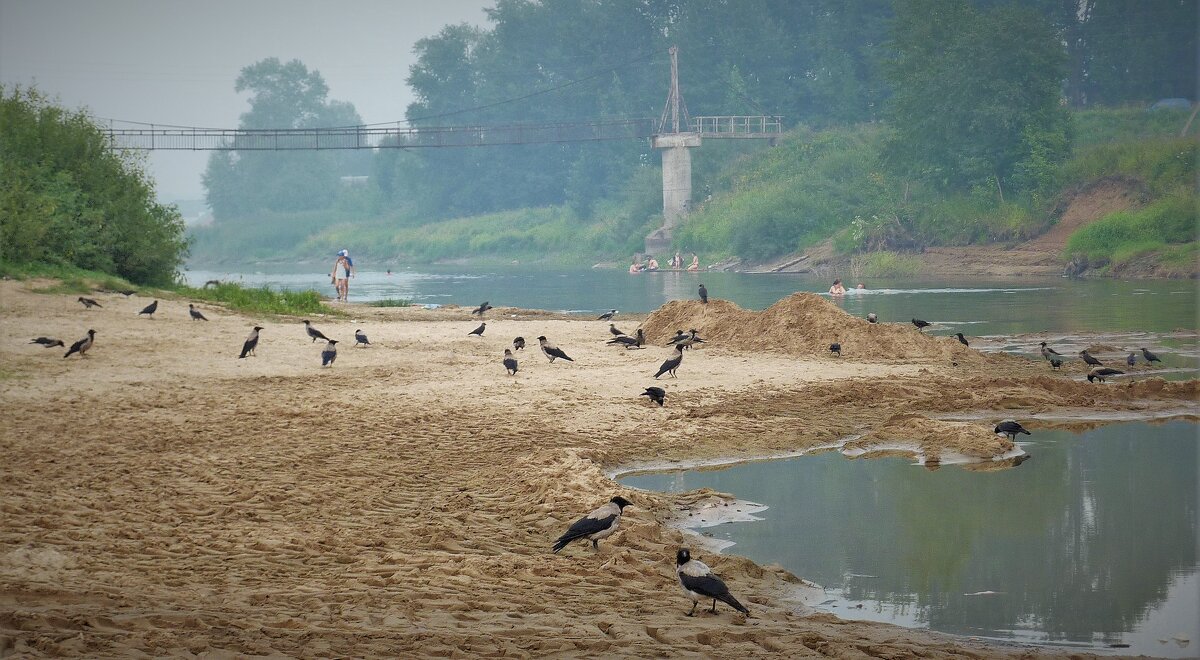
(652, 265)
(695, 265)
(677, 261)
(837, 289)
(635, 267)
(343, 270)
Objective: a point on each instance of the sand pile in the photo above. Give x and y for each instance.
(801, 324)
(934, 437)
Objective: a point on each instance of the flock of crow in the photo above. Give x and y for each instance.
(695, 578)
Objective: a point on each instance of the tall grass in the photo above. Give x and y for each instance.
(70, 278)
(259, 300)
(1121, 236)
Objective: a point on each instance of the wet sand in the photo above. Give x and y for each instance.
(162, 497)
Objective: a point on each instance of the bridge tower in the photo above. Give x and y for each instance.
(676, 161)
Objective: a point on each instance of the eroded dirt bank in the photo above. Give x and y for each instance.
(163, 497)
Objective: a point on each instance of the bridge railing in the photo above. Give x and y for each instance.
(735, 126)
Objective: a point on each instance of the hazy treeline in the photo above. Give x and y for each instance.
(67, 198)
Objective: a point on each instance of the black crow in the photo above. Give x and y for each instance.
(552, 351)
(921, 325)
(1150, 357)
(510, 362)
(703, 294)
(607, 316)
(836, 349)
(251, 342)
(481, 309)
(612, 328)
(597, 525)
(195, 313)
(89, 303)
(329, 354)
(127, 292)
(1049, 353)
(680, 335)
(313, 332)
(672, 364)
(872, 318)
(1102, 373)
(150, 309)
(81, 347)
(1089, 359)
(1055, 363)
(212, 283)
(1131, 359)
(630, 342)
(518, 343)
(48, 342)
(657, 395)
(699, 583)
(360, 337)
(961, 339)
(478, 332)
(1011, 429)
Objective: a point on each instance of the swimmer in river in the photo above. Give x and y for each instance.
(837, 289)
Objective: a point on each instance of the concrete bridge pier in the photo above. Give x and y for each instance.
(677, 186)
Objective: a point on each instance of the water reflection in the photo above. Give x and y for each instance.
(1088, 542)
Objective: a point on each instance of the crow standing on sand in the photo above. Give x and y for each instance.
(1087, 357)
(81, 347)
(595, 526)
(1050, 353)
(89, 303)
(48, 342)
(481, 309)
(510, 362)
(329, 354)
(836, 349)
(1011, 429)
(360, 337)
(612, 329)
(313, 332)
(518, 343)
(690, 340)
(1131, 359)
(607, 316)
(629, 342)
(150, 309)
(703, 294)
(1150, 357)
(680, 335)
(672, 364)
(551, 351)
(1055, 363)
(872, 318)
(251, 342)
(657, 395)
(961, 339)
(699, 583)
(1102, 373)
(195, 313)
(478, 332)
(921, 325)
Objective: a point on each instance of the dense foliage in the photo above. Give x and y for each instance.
(67, 198)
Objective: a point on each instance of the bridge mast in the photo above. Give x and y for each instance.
(676, 161)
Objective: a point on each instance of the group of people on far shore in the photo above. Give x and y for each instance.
(650, 264)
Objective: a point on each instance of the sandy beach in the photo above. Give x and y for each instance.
(162, 497)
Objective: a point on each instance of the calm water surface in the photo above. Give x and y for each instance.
(1091, 542)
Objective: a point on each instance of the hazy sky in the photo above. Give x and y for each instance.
(175, 61)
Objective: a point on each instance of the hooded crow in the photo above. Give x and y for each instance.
(251, 342)
(657, 395)
(552, 351)
(1055, 363)
(961, 339)
(1011, 429)
(329, 354)
(692, 338)
(630, 342)
(127, 292)
(612, 328)
(48, 342)
(1150, 357)
(703, 294)
(518, 343)
(195, 313)
(1131, 359)
(680, 335)
(313, 332)
(607, 316)
(1087, 357)
(89, 303)
(510, 362)
(872, 318)
(478, 332)
(921, 325)
(836, 349)
(481, 309)
(595, 526)
(672, 364)
(360, 337)
(1102, 373)
(81, 347)
(699, 583)
(150, 309)
(1049, 353)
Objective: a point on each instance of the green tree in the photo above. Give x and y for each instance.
(976, 96)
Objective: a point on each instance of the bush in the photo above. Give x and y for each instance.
(1121, 236)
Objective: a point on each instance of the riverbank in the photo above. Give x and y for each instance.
(168, 498)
